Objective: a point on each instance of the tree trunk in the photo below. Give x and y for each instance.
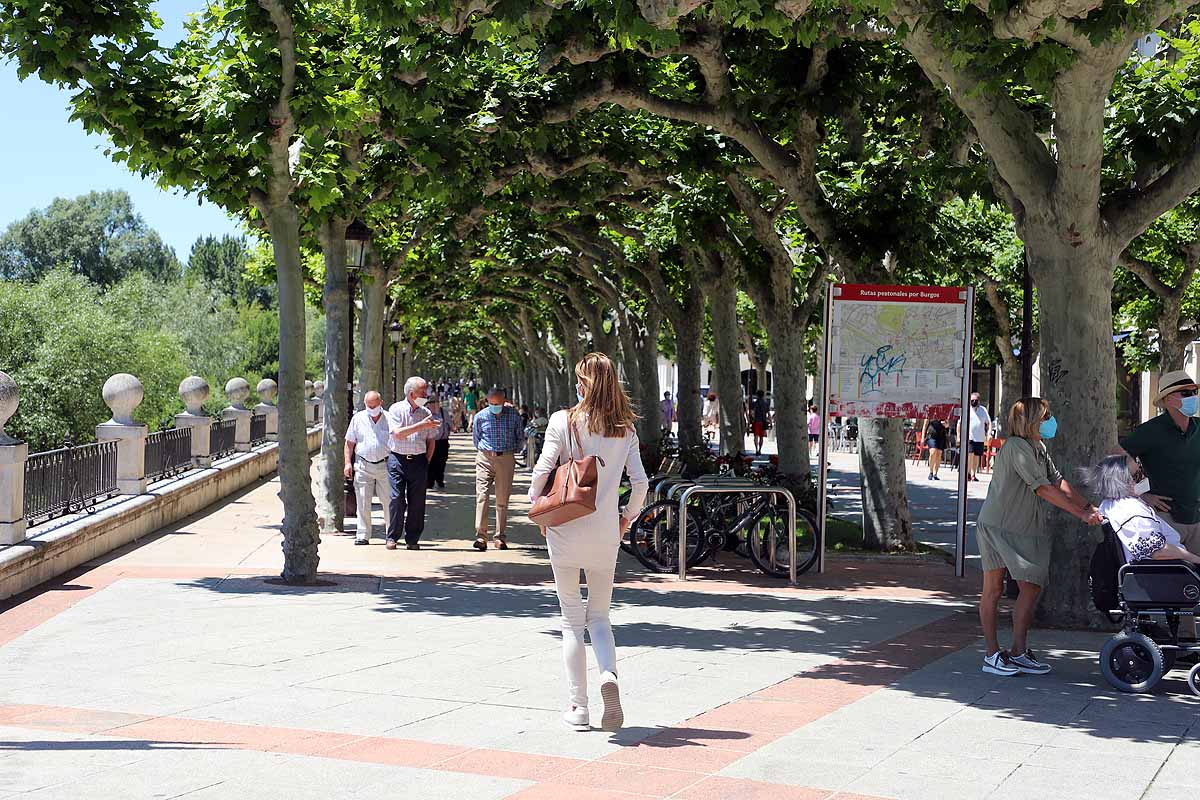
(887, 521)
(722, 306)
(688, 333)
(788, 395)
(331, 499)
(1079, 379)
(1010, 382)
(300, 534)
(646, 379)
(374, 292)
(1171, 345)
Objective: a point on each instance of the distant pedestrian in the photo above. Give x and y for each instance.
(814, 429)
(934, 434)
(668, 412)
(601, 425)
(759, 417)
(711, 416)
(979, 423)
(412, 444)
(441, 447)
(367, 462)
(498, 435)
(1013, 531)
(457, 423)
(470, 403)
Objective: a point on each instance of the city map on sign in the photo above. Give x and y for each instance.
(897, 351)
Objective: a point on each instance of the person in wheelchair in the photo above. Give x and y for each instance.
(1144, 535)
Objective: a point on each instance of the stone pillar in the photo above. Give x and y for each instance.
(12, 468)
(122, 394)
(194, 392)
(267, 389)
(236, 391)
(312, 405)
(319, 391)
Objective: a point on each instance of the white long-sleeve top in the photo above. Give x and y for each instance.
(590, 541)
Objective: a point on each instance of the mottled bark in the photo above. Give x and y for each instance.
(887, 521)
(791, 418)
(722, 308)
(374, 320)
(330, 496)
(689, 329)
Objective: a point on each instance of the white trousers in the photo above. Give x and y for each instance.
(578, 616)
(370, 480)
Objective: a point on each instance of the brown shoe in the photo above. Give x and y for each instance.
(391, 544)
(480, 544)
(501, 544)
(412, 546)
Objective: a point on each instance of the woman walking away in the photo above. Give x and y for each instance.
(711, 416)
(1143, 533)
(1013, 531)
(934, 436)
(601, 425)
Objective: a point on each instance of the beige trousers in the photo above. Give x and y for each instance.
(1189, 535)
(492, 471)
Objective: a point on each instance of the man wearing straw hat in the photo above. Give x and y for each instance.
(1168, 447)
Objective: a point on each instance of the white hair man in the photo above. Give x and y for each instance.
(414, 435)
(979, 425)
(367, 450)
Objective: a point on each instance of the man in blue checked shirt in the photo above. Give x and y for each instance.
(498, 434)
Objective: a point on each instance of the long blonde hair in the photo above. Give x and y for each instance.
(605, 403)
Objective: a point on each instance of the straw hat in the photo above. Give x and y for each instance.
(1173, 382)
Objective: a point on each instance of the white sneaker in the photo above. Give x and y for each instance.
(576, 718)
(610, 693)
(1028, 663)
(998, 663)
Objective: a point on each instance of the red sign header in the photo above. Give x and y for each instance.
(900, 294)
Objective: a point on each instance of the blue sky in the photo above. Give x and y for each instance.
(43, 156)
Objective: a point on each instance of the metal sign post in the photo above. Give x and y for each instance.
(823, 442)
(964, 438)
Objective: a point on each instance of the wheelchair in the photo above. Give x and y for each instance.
(1156, 604)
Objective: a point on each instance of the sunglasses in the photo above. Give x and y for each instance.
(1186, 393)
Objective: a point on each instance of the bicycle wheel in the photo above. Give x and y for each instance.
(768, 542)
(654, 537)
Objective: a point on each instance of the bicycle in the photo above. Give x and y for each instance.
(724, 523)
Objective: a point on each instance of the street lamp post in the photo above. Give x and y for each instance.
(394, 335)
(357, 238)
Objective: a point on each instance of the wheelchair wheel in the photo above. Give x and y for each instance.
(1194, 679)
(1132, 662)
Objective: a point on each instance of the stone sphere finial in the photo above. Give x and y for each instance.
(308, 389)
(193, 391)
(9, 396)
(319, 388)
(267, 390)
(122, 394)
(236, 392)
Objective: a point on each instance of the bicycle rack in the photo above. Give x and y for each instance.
(708, 488)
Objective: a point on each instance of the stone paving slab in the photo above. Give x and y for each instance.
(172, 669)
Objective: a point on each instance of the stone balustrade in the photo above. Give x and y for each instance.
(123, 393)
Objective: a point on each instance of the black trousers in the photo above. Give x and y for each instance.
(437, 467)
(408, 477)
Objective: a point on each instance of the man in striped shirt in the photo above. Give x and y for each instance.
(414, 435)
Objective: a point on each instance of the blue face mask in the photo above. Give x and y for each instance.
(578, 394)
(1189, 405)
(1048, 428)
(495, 408)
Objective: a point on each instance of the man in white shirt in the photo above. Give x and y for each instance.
(366, 461)
(979, 423)
(414, 435)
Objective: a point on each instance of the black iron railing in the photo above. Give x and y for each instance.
(68, 480)
(222, 437)
(168, 453)
(258, 429)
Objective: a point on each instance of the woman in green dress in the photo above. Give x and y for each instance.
(1013, 530)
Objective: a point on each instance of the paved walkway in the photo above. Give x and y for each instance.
(173, 669)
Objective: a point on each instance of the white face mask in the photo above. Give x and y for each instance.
(1142, 486)
(420, 402)
(376, 411)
